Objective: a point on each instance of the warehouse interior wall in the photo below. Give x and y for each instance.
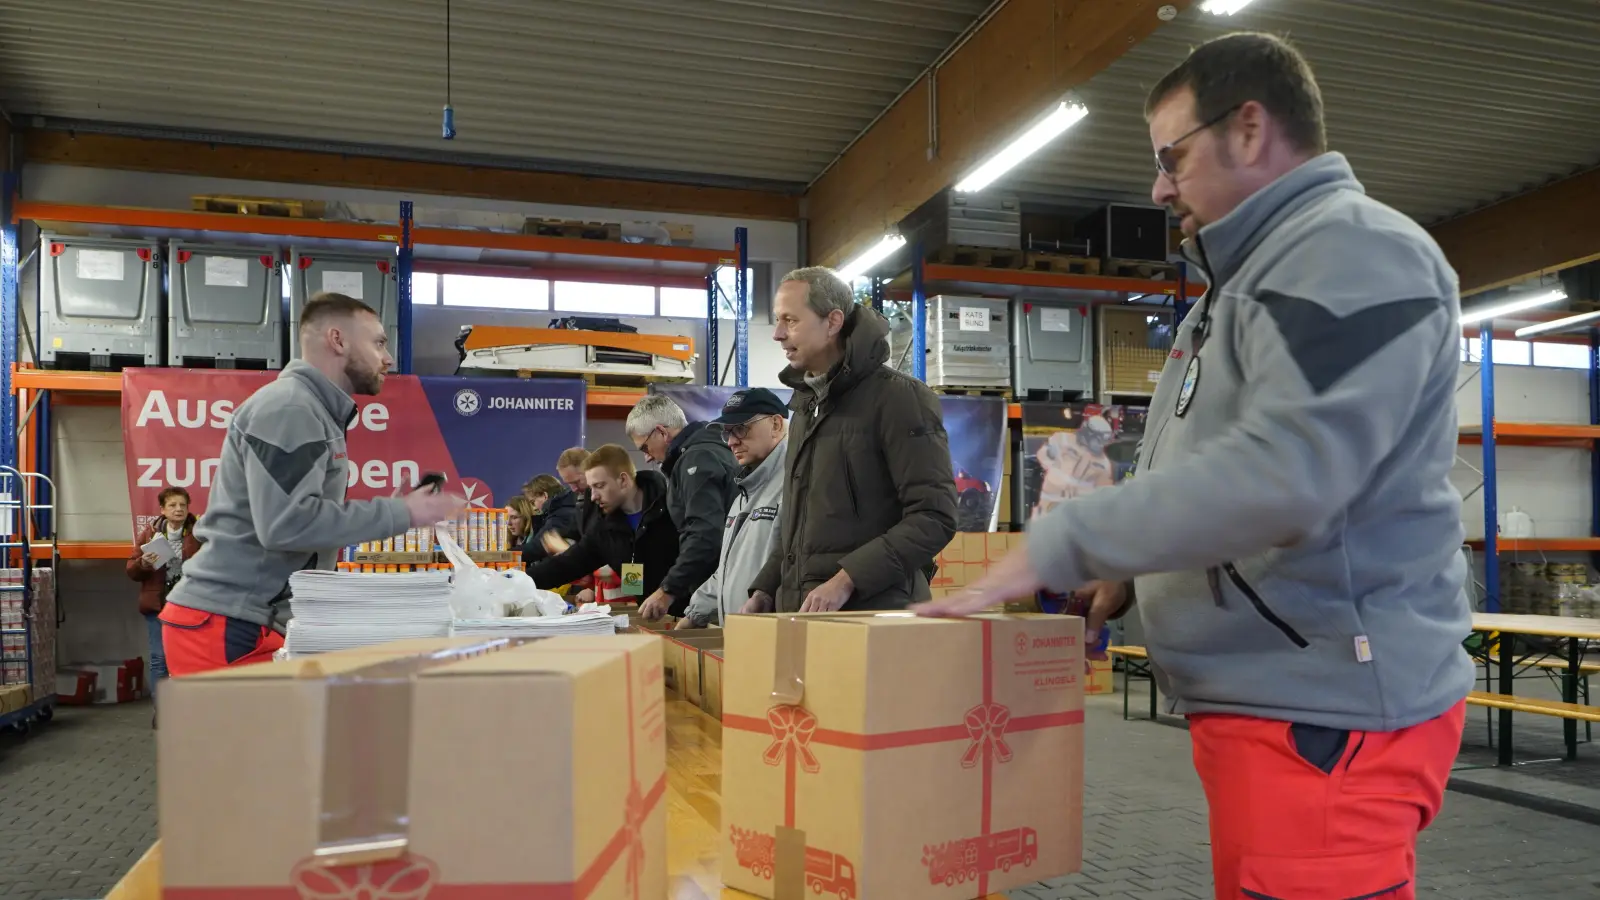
(103, 622)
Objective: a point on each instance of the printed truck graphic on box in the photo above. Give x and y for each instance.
(826, 873)
(963, 860)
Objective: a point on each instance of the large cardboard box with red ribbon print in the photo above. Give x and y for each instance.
(459, 769)
(882, 755)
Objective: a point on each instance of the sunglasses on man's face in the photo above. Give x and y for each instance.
(1166, 163)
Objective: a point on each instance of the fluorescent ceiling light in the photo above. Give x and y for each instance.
(1558, 324)
(858, 267)
(1063, 117)
(1224, 7)
(1512, 306)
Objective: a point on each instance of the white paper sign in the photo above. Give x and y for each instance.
(1055, 319)
(1152, 377)
(346, 283)
(227, 271)
(100, 265)
(974, 318)
(7, 507)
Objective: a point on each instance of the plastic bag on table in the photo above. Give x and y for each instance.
(479, 593)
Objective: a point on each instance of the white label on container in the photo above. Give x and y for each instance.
(7, 507)
(974, 318)
(100, 265)
(1055, 319)
(1152, 377)
(346, 283)
(227, 271)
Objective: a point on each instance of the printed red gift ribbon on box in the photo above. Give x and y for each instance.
(794, 729)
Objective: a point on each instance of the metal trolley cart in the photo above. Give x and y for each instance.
(28, 608)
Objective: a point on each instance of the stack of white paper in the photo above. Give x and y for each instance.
(537, 626)
(341, 610)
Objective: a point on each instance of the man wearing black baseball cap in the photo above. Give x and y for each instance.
(754, 424)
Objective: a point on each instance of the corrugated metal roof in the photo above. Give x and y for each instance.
(1441, 106)
(745, 88)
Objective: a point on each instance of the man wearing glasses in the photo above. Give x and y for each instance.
(755, 424)
(700, 474)
(1292, 532)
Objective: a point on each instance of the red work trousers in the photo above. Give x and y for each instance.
(1284, 829)
(197, 641)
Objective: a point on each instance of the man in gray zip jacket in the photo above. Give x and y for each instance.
(278, 504)
(1291, 526)
(755, 425)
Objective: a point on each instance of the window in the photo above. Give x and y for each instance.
(424, 287)
(690, 303)
(1561, 356)
(489, 292)
(606, 299)
(1511, 353)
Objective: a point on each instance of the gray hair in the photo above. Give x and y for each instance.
(828, 291)
(655, 411)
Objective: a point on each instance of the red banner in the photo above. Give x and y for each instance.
(174, 422)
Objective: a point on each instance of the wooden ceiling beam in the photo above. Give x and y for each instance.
(1012, 69)
(208, 160)
(1542, 231)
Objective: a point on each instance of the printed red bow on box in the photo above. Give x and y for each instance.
(794, 729)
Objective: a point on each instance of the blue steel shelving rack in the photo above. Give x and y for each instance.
(741, 307)
(1494, 433)
(677, 266)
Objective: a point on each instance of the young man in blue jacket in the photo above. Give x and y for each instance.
(1291, 534)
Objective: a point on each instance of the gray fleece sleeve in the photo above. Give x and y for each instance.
(285, 453)
(1334, 364)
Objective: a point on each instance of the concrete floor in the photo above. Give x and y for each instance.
(77, 808)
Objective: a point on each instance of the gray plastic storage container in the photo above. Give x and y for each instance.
(370, 278)
(1053, 349)
(99, 303)
(225, 306)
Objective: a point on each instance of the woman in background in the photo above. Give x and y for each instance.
(519, 524)
(155, 576)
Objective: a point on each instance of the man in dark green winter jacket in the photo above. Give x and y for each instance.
(870, 498)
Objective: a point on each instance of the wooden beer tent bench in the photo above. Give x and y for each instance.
(1135, 663)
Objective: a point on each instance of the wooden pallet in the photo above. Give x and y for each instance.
(568, 228)
(1061, 264)
(979, 257)
(972, 391)
(1140, 268)
(278, 207)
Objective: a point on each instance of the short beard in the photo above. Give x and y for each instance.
(366, 384)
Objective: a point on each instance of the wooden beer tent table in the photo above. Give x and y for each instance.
(694, 814)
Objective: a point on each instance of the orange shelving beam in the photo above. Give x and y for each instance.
(182, 220)
(934, 272)
(1544, 545)
(1535, 434)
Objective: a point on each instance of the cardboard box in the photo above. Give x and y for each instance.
(681, 659)
(711, 665)
(534, 770)
(904, 757)
(1100, 680)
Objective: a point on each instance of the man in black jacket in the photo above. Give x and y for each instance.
(633, 534)
(702, 479)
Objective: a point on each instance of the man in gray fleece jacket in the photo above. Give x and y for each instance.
(278, 504)
(755, 424)
(1291, 526)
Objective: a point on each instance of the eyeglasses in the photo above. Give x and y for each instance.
(643, 442)
(1168, 166)
(731, 433)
